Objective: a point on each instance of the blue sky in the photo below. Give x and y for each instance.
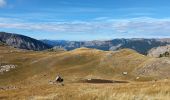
(86, 19)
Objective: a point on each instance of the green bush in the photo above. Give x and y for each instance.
(166, 54)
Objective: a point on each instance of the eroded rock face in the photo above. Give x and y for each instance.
(6, 68)
(156, 52)
(22, 42)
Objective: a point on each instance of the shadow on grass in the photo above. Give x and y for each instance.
(4, 97)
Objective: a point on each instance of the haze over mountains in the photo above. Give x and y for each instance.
(139, 44)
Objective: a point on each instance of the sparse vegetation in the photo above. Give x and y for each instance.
(2, 44)
(82, 91)
(166, 54)
(30, 79)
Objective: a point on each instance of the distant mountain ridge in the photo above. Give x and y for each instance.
(22, 42)
(139, 44)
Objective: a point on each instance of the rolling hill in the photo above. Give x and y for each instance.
(27, 74)
(79, 64)
(88, 73)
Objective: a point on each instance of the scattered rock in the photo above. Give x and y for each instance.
(137, 78)
(8, 87)
(89, 79)
(125, 73)
(6, 68)
(51, 82)
(165, 80)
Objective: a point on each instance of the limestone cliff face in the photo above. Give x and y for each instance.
(159, 51)
(22, 42)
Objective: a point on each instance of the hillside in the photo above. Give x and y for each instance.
(22, 42)
(140, 45)
(27, 74)
(83, 63)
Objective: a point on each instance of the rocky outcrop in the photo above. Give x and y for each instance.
(22, 42)
(161, 51)
(56, 49)
(5, 88)
(6, 68)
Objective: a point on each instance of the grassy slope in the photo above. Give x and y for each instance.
(35, 69)
(81, 91)
(40, 67)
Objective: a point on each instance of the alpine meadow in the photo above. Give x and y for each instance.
(84, 50)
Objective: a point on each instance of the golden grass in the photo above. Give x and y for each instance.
(36, 69)
(83, 91)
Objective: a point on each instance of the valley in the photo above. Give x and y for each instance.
(84, 50)
(141, 76)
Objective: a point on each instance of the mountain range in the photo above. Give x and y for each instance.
(87, 72)
(139, 44)
(22, 42)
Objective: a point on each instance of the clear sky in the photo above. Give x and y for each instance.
(86, 19)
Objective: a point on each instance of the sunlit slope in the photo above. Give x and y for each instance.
(23, 59)
(41, 67)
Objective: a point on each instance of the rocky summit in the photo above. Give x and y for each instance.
(22, 42)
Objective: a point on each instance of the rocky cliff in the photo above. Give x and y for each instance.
(22, 42)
